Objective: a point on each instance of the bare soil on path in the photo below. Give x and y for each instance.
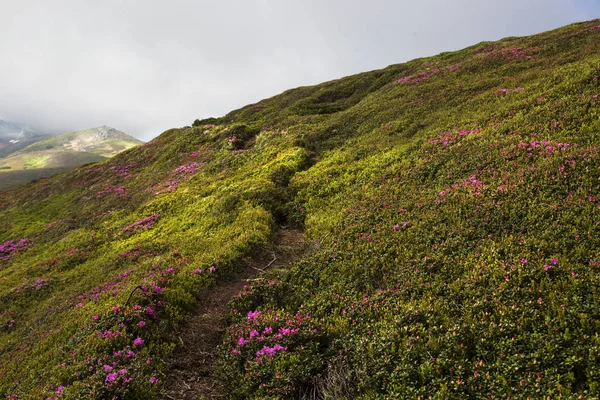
(191, 365)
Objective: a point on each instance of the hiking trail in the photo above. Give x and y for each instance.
(191, 364)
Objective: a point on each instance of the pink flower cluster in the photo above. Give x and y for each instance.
(10, 248)
(187, 170)
(507, 91)
(423, 76)
(448, 138)
(38, 284)
(124, 169)
(270, 351)
(119, 191)
(512, 53)
(143, 223)
(253, 315)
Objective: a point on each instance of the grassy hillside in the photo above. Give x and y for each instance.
(103, 141)
(61, 153)
(454, 202)
(10, 179)
(48, 159)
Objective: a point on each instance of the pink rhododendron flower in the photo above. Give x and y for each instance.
(138, 342)
(253, 315)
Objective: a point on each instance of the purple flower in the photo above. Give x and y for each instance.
(253, 315)
(242, 342)
(138, 342)
(142, 324)
(95, 317)
(60, 389)
(396, 227)
(111, 377)
(123, 372)
(153, 380)
(197, 271)
(554, 261)
(270, 351)
(212, 269)
(107, 368)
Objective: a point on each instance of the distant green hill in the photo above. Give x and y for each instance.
(103, 141)
(451, 203)
(63, 152)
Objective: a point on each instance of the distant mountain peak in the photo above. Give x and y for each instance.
(105, 132)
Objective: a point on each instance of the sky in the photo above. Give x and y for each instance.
(146, 66)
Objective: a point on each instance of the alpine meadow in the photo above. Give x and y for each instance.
(451, 210)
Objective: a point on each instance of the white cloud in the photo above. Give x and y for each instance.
(146, 66)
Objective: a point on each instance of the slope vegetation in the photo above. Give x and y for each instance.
(456, 204)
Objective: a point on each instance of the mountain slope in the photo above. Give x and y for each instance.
(63, 152)
(14, 137)
(454, 206)
(103, 141)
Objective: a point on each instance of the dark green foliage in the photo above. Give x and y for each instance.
(206, 121)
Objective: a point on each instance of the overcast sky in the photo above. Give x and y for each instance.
(149, 65)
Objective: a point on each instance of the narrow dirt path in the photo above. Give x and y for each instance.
(189, 375)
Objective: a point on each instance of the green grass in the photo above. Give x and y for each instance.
(457, 206)
(86, 140)
(60, 153)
